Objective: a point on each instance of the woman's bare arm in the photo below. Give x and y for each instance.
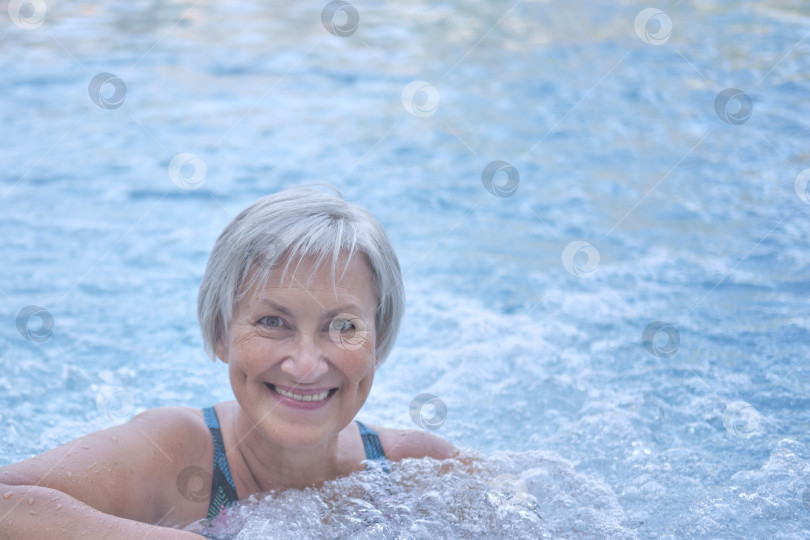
(36, 512)
(123, 476)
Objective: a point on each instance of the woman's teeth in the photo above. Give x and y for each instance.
(299, 397)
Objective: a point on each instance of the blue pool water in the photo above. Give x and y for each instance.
(685, 212)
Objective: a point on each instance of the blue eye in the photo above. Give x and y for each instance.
(342, 325)
(272, 321)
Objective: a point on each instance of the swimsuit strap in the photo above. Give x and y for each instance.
(223, 490)
(372, 444)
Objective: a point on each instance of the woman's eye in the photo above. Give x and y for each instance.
(272, 321)
(342, 325)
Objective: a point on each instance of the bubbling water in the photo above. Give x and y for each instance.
(506, 495)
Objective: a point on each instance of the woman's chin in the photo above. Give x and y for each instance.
(295, 435)
(291, 422)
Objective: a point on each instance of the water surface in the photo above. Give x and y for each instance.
(697, 223)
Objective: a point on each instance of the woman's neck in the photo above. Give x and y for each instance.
(266, 465)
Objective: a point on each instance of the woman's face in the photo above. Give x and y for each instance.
(301, 355)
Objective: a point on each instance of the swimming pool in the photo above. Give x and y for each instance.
(616, 314)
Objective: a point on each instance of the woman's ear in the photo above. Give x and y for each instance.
(221, 350)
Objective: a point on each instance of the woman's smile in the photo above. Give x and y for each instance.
(301, 398)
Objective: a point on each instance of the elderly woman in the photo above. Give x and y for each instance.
(302, 298)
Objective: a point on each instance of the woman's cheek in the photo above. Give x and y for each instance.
(363, 364)
(251, 351)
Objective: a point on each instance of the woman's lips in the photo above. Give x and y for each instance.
(301, 396)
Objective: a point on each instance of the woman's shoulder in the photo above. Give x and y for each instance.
(399, 444)
(171, 423)
(183, 418)
(182, 431)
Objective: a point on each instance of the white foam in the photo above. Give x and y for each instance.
(504, 495)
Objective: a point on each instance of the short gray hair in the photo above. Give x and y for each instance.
(288, 225)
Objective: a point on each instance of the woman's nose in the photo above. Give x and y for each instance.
(306, 362)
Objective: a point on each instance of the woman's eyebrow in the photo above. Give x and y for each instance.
(277, 307)
(351, 309)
